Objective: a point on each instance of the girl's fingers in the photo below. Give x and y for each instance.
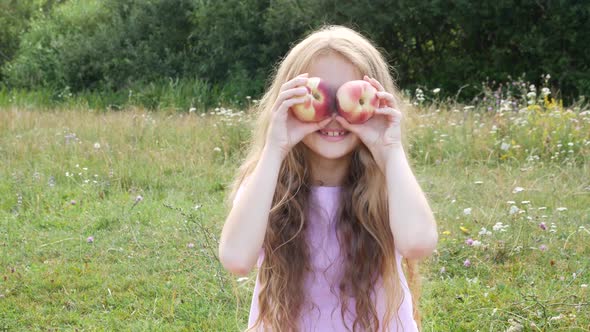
(298, 80)
(286, 104)
(388, 97)
(389, 111)
(375, 83)
(309, 128)
(393, 116)
(300, 91)
(350, 127)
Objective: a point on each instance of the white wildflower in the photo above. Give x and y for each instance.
(484, 231)
(499, 226)
(517, 190)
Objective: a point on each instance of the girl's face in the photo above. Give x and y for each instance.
(335, 70)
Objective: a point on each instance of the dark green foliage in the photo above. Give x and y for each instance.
(15, 17)
(233, 45)
(103, 44)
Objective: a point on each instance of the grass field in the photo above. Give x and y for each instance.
(110, 220)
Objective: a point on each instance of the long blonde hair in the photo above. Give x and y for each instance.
(362, 224)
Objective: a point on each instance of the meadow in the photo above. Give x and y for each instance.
(109, 220)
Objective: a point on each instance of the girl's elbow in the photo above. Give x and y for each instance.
(233, 264)
(421, 247)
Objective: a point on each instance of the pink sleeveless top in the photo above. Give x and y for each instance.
(326, 264)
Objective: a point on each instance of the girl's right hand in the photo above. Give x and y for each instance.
(285, 129)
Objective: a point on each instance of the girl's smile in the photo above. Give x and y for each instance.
(333, 135)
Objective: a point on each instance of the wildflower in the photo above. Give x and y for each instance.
(51, 181)
(560, 209)
(499, 226)
(584, 285)
(469, 241)
(97, 145)
(513, 209)
(436, 91)
(443, 270)
(467, 211)
(478, 182)
(138, 199)
(90, 239)
(543, 247)
(543, 226)
(505, 146)
(464, 229)
(192, 110)
(484, 231)
(190, 245)
(216, 149)
(467, 263)
(73, 202)
(476, 243)
(517, 190)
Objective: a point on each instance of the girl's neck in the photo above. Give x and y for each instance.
(328, 172)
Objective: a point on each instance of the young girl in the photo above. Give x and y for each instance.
(327, 221)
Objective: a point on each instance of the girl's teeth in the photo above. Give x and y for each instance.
(332, 133)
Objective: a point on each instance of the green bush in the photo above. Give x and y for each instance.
(87, 44)
(114, 45)
(15, 17)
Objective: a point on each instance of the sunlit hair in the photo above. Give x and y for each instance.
(363, 228)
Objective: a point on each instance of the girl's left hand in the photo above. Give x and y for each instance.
(382, 132)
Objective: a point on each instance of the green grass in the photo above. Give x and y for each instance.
(58, 187)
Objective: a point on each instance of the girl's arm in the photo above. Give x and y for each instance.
(411, 220)
(245, 227)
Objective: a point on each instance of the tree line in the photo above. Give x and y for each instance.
(454, 45)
